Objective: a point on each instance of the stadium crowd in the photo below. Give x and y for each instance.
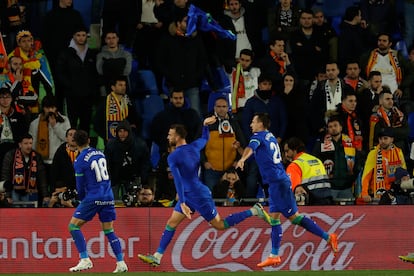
(337, 81)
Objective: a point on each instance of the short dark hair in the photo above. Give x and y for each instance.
(12, 57)
(110, 31)
(347, 94)
(49, 101)
(308, 11)
(334, 118)
(5, 90)
(373, 73)
(180, 130)
(351, 12)
(386, 34)
(247, 52)
(385, 90)
(264, 118)
(69, 129)
(115, 79)
(264, 77)
(296, 144)
(25, 136)
(81, 137)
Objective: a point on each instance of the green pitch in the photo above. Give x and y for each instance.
(244, 273)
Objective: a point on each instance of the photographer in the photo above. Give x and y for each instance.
(128, 159)
(48, 131)
(62, 197)
(141, 196)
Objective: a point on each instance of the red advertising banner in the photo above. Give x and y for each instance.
(370, 237)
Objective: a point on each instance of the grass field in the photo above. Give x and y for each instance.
(248, 273)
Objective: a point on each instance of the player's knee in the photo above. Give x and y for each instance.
(108, 231)
(297, 220)
(274, 222)
(73, 227)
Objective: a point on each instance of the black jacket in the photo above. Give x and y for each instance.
(181, 60)
(62, 172)
(79, 78)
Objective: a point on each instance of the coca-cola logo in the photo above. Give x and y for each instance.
(207, 250)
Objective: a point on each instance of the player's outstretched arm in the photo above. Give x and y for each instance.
(246, 154)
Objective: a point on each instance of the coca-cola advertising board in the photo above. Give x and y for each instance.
(370, 237)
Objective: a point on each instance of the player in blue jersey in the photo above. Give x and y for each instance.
(95, 193)
(193, 195)
(267, 153)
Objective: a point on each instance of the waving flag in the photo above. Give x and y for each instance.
(200, 20)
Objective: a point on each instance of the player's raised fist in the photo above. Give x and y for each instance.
(210, 120)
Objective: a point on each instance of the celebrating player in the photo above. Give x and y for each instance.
(94, 191)
(193, 195)
(281, 199)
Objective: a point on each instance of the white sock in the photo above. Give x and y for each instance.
(254, 211)
(158, 255)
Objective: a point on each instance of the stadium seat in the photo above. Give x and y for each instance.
(154, 155)
(145, 83)
(149, 106)
(411, 126)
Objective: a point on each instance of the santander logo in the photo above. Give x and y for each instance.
(239, 248)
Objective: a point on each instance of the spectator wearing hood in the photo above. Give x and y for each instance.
(128, 159)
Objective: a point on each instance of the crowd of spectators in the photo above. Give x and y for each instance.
(338, 85)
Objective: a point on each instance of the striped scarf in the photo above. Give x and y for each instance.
(116, 111)
(279, 61)
(387, 162)
(23, 179)
(72, 154)
(238, 87)
(392, 54)
(395, 119)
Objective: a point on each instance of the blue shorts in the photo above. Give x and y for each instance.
(86, 210)
(281, 198)
(203, 204)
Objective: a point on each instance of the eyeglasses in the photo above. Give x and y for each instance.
(5, 97)
(144, 194)
(221, 106)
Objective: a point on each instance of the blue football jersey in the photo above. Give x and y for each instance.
(92, 178)
(268, 156)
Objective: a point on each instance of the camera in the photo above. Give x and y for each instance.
(58, 118)
(130, 199)
(67, 195)
(304, 198)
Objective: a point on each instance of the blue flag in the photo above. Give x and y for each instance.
(200, 20)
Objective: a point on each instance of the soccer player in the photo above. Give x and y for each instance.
(95, 193)
(267, 153)
(193, 195)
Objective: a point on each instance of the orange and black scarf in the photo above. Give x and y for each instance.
(354, 128)
(279, 61)
(22, 179)
(394, 120)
